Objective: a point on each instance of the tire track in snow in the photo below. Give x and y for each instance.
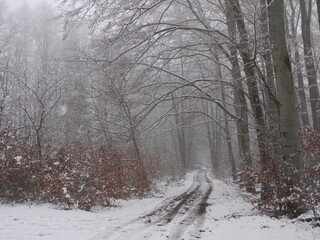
(174, 216)
(196, 217)
(170, 210)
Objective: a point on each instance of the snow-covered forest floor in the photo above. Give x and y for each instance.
(199, 208)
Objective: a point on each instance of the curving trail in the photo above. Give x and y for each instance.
(177, 216)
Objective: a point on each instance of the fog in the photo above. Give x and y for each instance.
(13, 4)
(158, 88)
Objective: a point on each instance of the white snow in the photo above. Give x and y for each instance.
(18, 159)
(62, 110)
(65, 192)
(228, 217)
(47, 222)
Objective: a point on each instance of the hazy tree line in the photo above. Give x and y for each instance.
(232, 84)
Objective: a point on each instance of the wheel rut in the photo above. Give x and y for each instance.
(174, 216)
(196, 216)
(168, 211)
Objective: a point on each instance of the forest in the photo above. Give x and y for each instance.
(100, 99)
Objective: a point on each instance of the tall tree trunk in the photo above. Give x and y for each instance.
(271, 108)
(289, 124)
(309, 63)
(189, 146)
(249, 69)
(318, 7)
(181, 135)
(240, 104)
(301, 92)
(211, 138)
(226, 122)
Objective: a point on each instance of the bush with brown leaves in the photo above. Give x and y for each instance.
(19, 169)
(284, 190)
(78, 175)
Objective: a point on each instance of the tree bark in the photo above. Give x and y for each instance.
(226, 123)
(211, 139)
(301, 92)
(271, 108)
(309, 63)
(240, 103)
(289, 124)
(318, 8)
(249, 69)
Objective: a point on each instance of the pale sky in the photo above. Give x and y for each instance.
(15, 3)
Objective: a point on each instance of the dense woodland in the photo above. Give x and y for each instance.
(100, 98)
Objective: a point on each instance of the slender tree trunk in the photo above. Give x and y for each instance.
(228, 138)
(309, 63)
(211, 139)
(226, 123)
(218, 137)
(212, 134)
(318, 8)
(301, 92)
(249, 69)
(39, 142)
(240, 103)
(181, 136)
(189, 146)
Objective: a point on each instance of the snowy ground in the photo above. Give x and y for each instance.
(202, 208)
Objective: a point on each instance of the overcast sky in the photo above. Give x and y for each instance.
(14, 3)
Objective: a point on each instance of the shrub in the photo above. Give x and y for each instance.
(284, 190)
(135, 179)
(279, 192)
(77, 175)
(19, 169)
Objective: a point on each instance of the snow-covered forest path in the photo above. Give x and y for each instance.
(208, 209)
(174, 216)
(200, 208)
